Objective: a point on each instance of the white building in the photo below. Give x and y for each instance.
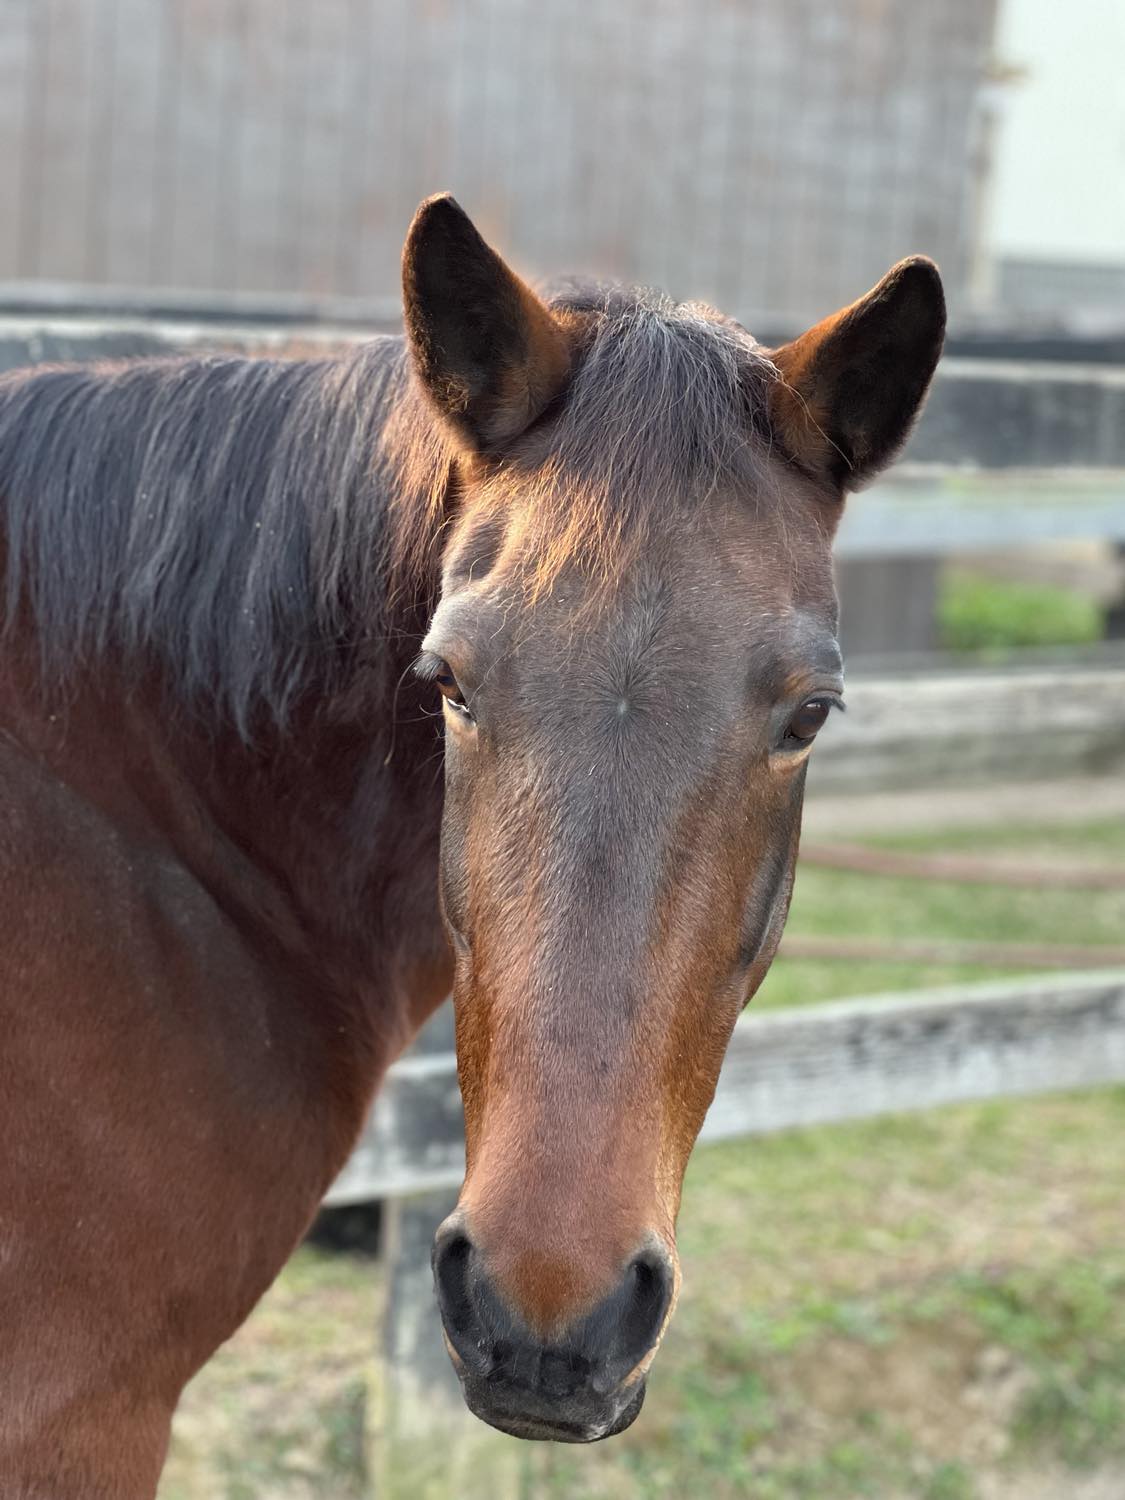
(1054, 224)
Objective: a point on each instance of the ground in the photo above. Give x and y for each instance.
(929, 1307)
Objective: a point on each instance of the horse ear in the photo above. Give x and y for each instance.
(852, 386)
(489, 352)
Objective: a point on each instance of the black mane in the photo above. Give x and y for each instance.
(230, 515)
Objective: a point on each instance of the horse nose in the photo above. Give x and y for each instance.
(571, 1384)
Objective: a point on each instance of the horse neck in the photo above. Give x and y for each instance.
(330, 827)
(337, 807)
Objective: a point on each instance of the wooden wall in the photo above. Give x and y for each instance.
(772, 155)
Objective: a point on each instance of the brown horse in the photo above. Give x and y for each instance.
(598, 524)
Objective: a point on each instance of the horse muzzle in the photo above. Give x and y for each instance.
(541, 1415)
(578, 1385)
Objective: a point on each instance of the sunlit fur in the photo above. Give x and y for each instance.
(667, 404)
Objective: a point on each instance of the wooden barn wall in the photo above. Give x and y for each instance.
(770, 155)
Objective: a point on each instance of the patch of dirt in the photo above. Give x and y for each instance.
(953, 1395)
(1053, 1484)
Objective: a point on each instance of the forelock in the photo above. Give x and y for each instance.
(666, 404)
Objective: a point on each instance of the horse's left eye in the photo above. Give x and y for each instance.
(808, 720)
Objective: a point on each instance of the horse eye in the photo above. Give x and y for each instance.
(447, 685)
(808, 719)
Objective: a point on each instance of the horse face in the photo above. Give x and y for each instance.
(635, 647)
(621, 820)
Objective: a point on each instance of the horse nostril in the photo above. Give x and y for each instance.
(647, 1307)
(451, 1257)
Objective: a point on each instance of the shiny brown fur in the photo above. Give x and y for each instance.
(220, 804)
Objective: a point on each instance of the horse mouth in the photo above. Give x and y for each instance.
(541, 1426)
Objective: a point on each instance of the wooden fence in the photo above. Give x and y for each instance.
(829, 1062)
(944, 727)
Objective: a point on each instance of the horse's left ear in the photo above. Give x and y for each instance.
(852, 387)
(490, 354)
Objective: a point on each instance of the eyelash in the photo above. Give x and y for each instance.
(435, 669)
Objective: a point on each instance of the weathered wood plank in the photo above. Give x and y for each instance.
(851, 1059)
(840, 1061)
(938, 509)
(972, 726)
(421, 1440)
(413, 1142)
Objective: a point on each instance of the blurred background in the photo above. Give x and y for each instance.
(926, 1304)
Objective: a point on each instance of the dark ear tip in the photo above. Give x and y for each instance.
(919, 263)
(918, 276)
(437, 204)
(439, 215)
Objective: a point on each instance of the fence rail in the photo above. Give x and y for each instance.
(1054, 425)
(938, 510)
(838, 1061)
(987, 724)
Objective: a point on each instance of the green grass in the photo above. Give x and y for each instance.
(981, 614)
(1101, 842)
(888, 1309)
(833, 903)
(894, 1308)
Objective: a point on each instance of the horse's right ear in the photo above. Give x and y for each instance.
(489, 353)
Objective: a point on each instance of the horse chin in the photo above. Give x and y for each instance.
(566, 1425)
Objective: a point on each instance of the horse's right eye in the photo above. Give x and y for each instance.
(448, 687)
